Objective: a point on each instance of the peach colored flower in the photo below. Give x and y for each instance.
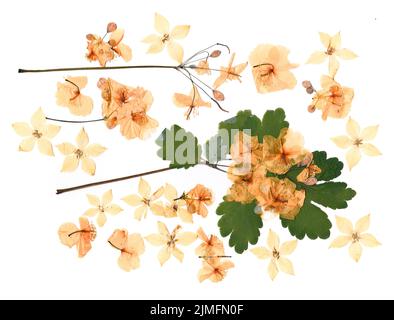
(197, 199)
(333, 99)
(176, 206)
(167, 37)
(203, 68)
(69, 95)
(211, 247)
(230, 72)
(357, 141)
(169, 241)
(80, 154)
(333, 49)
(355, 236)
(101, 207)
(277, 254)
(214, 270)
(145, 200)
(246, 149)
(271, 68)
(70, 235)
(131, 246)
(38, 132)
(192, 102)
(280, 154)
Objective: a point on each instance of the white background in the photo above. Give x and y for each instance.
(33, 263)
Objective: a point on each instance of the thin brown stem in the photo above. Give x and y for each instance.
(112, 245)
(75, 121)
(97, 68)
(79, 231)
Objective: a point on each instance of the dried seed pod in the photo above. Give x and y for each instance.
(90, 37)
(310, 90)
(311, 108)
(111, 27)
(218, 95)
(215, 54)
(306, 84)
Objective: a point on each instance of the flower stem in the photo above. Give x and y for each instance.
(75, 121)
(97, 68)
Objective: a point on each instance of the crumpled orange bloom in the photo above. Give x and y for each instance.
(81, 153)
(192, 102)
(103, 51)
(131, 246)
(128, 107)
(211, 247)
(38, 132)
(333, 99)
(271, 68)
(214, 269)
(281, 153)
(197, 199)
(176, 206)
(307, 175)
(332, 44)
(70, 235)
(167, 37)
(279, 196)
(246, 149)
(69, 95)
(169, 242)
(230, 72)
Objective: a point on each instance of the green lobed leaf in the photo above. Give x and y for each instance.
(240, 222)
(179, 146)
(331, 168)
(333, 195)
(273, 122)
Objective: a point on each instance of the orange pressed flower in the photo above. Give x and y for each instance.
(333, 99)
(281, 153)
(192, 101)
(105, 51)
(69, 95)
(214, 270)
(271, 68)
(70, 235)
(230, 72)
(210, 247)
(197, 199)
(130, 247)
(246, 149)
(203, 68)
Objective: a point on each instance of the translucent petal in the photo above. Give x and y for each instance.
(45, 147)
(107, 198)
(335, 41)
(94, 150)
(355, 251)
(370, 150)
(180, 32)
(345, 54)
(64, 234)
(175, 51)
(333, 66)
(186, 238)
(162, 229)
(128, 262)
(288, 247)
(27, 144)
(170, 192)
(101, 219)
(70, 163)
(185, 216)
(22, 129)
(156, 47)
(91, 212)
(344, 225)
(82, 139)
(164, 255)
(272, 269)
(362, 224)
(325, 39)
(38, 120)
(144, 188)
(343, 142)
(151, 38)
(51, 131)
(369, 133)
(340, 241)
(353, 157)
(66, 148)
(93, 200)
(135, 243)
(273, 240)
(178, 254)
(161, 24)
(353, 128)
(116, 36)
(124, 51)
(369, 240)
(113, 209)
(133, 200)
(261, 252)
(317, 57)
(140, 212)
(156, 239)
(89, 166)
(285, 265)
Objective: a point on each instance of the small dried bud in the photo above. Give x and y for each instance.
(310, 90)
(310, 181)
(90, 37)
(307, 160)
(306, 84)
(112, 122)
(111, 27)
(215, 54)
(112, 43)
(311, 108)
(218, 95)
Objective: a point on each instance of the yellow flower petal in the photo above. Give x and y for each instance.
(355, 251)
(66, 148)
(272, 269)
(161, 24)
(170, 192)
(178, 254)
(101, 219)
(156, 239)
(353, 157)
(89, 166)
(317, 57)
(140, 212)
(151, 38)
(22, 129)
(362, 224)
(353, 128)
(144, 188)
(185, 216)
(369, 133)
(27, 144)
(82, 139)
(261, 252)
(344, 225)
(133, 200)
(333, 66)
(325, 39)
(45, 147)
(273, 240)
(285, 265)
(64, 231)
(70, 163)
(51, 131)
(156, 47)
(124, 51)
(340, 241)
(91, 212)
(164, 255)
(345, 54)
(93, 200)
(113, 209)
(106, 198)
(335, 41)
(175, 51)
(288, 247)
(343, 142)
(162, 229)
(186, 238)
(38, 120)
(369, 240)
(157, 208)
(128, 262)
(180, 32)
(135, 243)
(370, 150)
(94, 150)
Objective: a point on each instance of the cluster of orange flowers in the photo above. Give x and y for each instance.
(252, 160)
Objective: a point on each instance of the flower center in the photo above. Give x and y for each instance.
(36, 134)
(330, 50)
(264, 70)
(358, 142)
(146, 201)
(101, 208)
(165, 38)
(78, 153)
(140, 118)
(276, 254)
(355, 237)
(171, 241)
